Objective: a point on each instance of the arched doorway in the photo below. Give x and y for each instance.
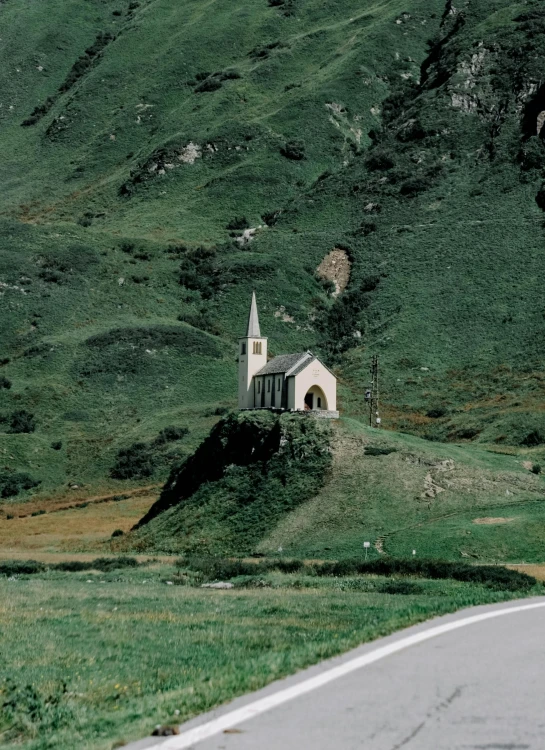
(315, 399)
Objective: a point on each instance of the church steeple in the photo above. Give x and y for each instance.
(252, 356)
(253, 321)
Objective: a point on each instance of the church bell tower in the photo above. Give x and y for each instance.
(252, 356)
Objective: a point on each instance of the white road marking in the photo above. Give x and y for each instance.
(234, 718)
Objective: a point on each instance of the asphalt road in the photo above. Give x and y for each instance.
(459, 682)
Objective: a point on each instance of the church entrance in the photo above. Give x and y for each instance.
(315, 399)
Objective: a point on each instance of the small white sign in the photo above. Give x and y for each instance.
(366, 545)
(414, 552)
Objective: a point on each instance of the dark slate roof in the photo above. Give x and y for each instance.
(304, 363)
(285, 362)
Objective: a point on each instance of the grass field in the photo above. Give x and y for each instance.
(91, 659)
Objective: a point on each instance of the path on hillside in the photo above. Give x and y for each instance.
(474, 679)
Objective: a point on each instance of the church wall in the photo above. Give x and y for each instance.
(291, 393)
(315, 374)
(248, 364)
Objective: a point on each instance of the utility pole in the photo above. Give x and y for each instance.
(372, 394)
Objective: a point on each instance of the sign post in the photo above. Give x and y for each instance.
(366, 546)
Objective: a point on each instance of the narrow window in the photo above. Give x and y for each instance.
(269, 385)
(319, 403)
(243, 348)
(259, 386)
(278, 387)
(259, 347)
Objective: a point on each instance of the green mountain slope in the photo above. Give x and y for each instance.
(293, 487)
(137, 142)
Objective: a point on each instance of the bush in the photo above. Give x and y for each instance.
(495, 577)
(103, 564)
(414, 186)
(20, 567)
(117, 532)
(135, 462)
(214, 81)
(536, 469)
(540, 197)
(12, 484)
(294, 150)
(56, 445)
(107, 564)
(533, 439)
(5, 383)
(377, 450)
(271, 217)
(239, 222)
(436, 413)
(211, 84)
(338, 323)
(379, 160)
(367, 227)
(38, 112)
(170, 435)
(286, 566)
(532, 154)
(21, 421)
(87, 60)
(72, 566)
(401, 587)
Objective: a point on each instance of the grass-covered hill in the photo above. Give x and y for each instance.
(142, 142)
(292, 486)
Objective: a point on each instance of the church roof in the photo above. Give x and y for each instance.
(286, 363)
(253, 321)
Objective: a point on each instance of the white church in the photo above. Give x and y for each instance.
(291, 382)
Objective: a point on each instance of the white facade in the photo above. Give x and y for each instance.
(316, 381)
(252, 356)
(295, 382)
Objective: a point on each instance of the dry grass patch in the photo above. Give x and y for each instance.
(489, 521)
(74, 530)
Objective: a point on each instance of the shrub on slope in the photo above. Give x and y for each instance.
(253, 468)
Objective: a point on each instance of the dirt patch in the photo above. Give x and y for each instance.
(190, 153)
(431, 488)
(489, 521)
(336, 267)
(537, 571)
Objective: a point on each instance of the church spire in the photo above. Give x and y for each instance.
(253, 321)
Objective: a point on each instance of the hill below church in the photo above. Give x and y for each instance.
(296, 486)
(161, 159)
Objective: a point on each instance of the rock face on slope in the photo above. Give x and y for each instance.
(252, 469)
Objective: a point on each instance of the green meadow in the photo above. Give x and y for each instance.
(96, 659)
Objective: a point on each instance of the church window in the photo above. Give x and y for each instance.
(278, 387)
(257, 347)
(269, 385)
(259, 386)
(243, 348)
(319, 402)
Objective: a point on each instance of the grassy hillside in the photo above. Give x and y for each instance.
(292, 487)
(138, 140)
